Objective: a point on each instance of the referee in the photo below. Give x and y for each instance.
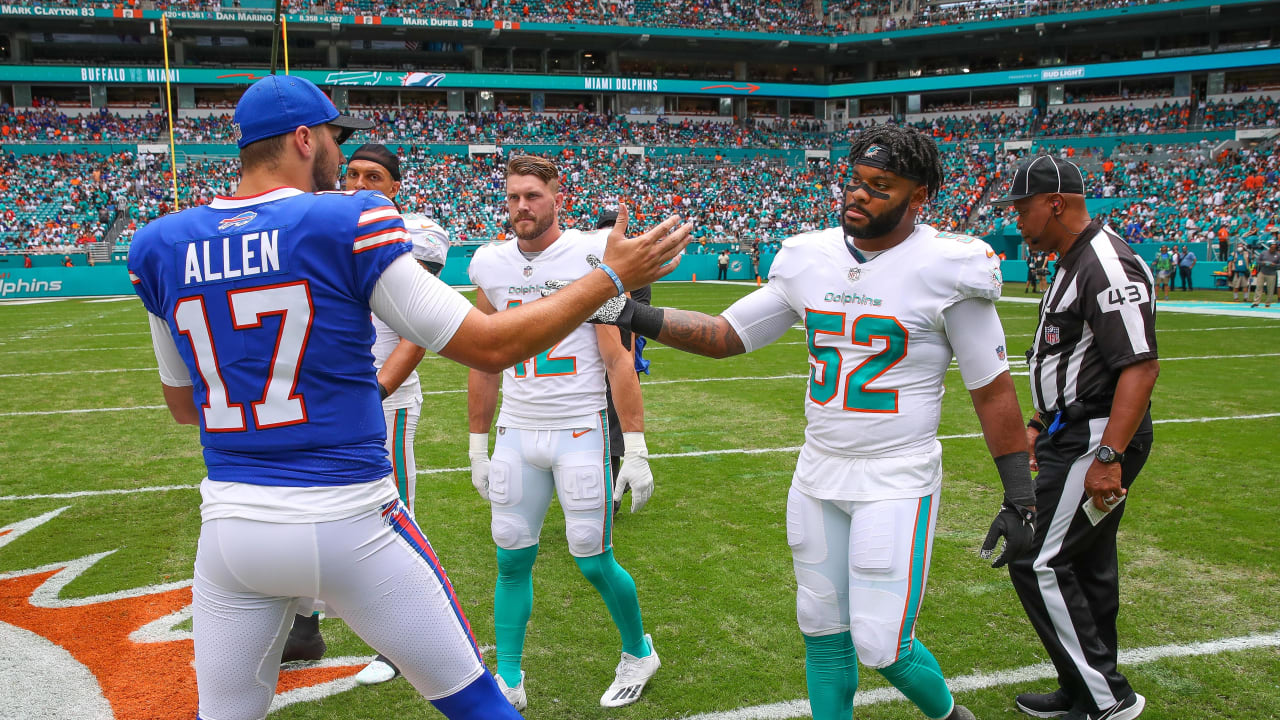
(1092, 367)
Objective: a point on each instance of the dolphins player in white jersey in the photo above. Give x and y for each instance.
(553, 435)
(374, 167)
(885, 304)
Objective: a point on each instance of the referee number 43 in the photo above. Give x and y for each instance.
(1116, 297)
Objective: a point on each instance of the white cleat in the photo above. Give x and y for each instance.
(379, 671)
(632, 674)
(514, 695)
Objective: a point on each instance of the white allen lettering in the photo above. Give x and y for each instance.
(214, 259)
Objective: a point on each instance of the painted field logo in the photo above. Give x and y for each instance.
(240, 220)
(114, 656)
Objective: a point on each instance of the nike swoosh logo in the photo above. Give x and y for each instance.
(580, 433)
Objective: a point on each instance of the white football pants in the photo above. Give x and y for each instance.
(375, 569)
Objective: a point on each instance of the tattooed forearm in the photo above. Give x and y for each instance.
(699, 333)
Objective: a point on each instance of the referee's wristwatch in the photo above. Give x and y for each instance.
(1108, 455)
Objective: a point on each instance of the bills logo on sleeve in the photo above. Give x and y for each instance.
(240, 220)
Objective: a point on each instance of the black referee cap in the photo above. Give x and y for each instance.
(380, 154)
(1044, 174)
(607, 219)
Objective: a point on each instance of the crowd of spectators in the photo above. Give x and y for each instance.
(774, 16)
(418, 124)
(1167, 194)
(57, 203)
(1176, 194)
(731, 202)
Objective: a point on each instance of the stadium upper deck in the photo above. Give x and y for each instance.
(818, 17)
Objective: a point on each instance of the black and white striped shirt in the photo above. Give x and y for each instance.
(1097, 317)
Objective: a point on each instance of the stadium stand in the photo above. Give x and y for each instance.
(410, 124)
(771, 16)
(1173, 193)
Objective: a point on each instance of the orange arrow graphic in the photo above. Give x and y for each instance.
(749, 88)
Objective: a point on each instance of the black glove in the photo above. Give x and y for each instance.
(1017, 524)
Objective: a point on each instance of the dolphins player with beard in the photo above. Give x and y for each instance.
(553, 434)
(886, 303)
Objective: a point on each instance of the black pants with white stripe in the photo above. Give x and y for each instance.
(1069, 582)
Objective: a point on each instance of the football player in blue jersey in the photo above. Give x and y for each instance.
(375, 167)
(259, 305)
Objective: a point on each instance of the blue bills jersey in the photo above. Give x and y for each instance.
(267, 299)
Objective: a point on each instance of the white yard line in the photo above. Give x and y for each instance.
(96, 493)
(76, 372)
(679, 381)
(62, 350)
(81, 411)
(982, 681)
(655, 456)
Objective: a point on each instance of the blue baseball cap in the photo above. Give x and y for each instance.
(280, 104)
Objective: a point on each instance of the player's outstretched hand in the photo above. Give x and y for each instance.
(479, 454)
(1017, 524)
(642, 259)
(635, 472)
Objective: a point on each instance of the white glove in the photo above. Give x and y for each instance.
(635, 472)
(479, 453)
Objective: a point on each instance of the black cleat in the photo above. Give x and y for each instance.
(1044, 705)
(1127, 709)
(305, 641)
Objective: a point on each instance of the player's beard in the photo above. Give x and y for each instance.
(877, 225)
(324, 173)
(540, 225)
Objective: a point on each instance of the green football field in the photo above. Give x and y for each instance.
(81, 413)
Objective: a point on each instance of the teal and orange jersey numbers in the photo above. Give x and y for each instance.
(544, 365)
(867, 330)
(817, 322)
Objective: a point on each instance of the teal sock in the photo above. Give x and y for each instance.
(619, 593)
(918, 676)
(512, 606)
(831, 673)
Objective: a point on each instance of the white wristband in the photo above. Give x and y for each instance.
(634, 444)
(479, 443)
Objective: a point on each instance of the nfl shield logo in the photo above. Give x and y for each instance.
(1000, 352)
(855, 274)
(1051, 334)
(528, 270)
